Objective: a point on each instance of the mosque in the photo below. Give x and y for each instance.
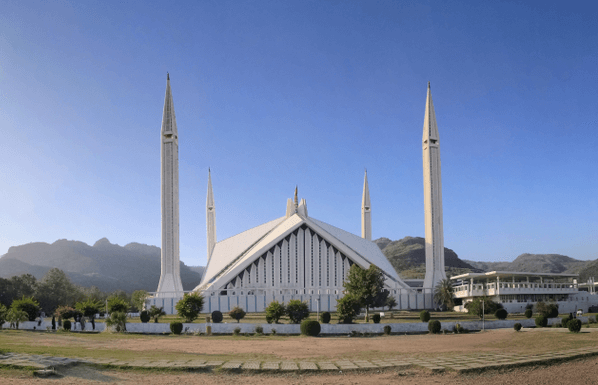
(295, 256)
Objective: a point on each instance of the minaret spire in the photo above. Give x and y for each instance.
(366, 210)
(170, 277)
(296, 201)
(432, 198)
(210, 218)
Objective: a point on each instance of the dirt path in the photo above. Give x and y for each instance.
(583, 371)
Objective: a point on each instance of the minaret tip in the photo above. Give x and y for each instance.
(296, 199)
(428, 85)
(167, 76)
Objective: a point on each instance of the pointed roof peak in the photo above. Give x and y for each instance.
(365, 203)
(430, 126)
(296, 199)
(428, 84)
(168, 76)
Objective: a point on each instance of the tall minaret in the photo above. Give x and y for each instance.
(432, 198)
(366, 210)
(210, 217)
(170, 277)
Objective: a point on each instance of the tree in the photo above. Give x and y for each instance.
(190, 306)
(117, 304)
(390, 302)
(15, 316)
(443, 293)
(138, 298)
(367, 285)
(28, 305)
(549, 310)
(16, 287)
(297, 311)
(237, 313)
(275, 311)
(347, 308)
(156, 312)
(3, 311)
(488, 307)
(56, 289)
(118, 319)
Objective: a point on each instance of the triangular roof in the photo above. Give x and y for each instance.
(233, 255)
(430, 126)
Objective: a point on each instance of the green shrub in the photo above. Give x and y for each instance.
(118, 319)
(310, 328)
(517, 326)
(387, 329)
(501, 314)
(434, 326)
(557, 325)
(482, 305)
(274, 312)
(354, 333)
(458, 328)
(144, 316)
(566, 320)
(574, 325)
(297, 311)
(156, 312)
(190, 306)
(541, 321)
(66, 325)
(259, 330)
(325, 317)
(237, 313)
(376, 318)
(424, 316)
(528, 313)
(176, 327)
(217, 317)
(549, 310)
(273, 332)
(347, 308)
(28, 305)
(237, 331)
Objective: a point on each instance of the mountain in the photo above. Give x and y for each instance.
(536, 263)
(105, 265)
(408, 257)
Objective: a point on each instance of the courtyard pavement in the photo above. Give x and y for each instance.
(460, 363)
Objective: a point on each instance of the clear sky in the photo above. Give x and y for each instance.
(273, 94)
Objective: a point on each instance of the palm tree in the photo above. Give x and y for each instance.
(443, 293)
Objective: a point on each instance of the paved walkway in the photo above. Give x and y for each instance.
(460, 363)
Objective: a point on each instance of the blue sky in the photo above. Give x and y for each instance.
(276, 94)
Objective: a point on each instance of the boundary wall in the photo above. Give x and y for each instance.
(329, 329)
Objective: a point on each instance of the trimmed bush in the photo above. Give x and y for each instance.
(376, 318)
(566, 320)
(434, 326)
(237, 331)
(501, 314)
(176, 327)
(541, 321)
(528, 313)
(273, 332)
(574, 325)
(217, 317)
(144, 316)
(517, 326)
(237, 313)
(66, 325)
(424, 316)
(458, 328)
(325, 317)
(259, 330)
(310, 328)
(387, 329)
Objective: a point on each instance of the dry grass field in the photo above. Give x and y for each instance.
(264, 348)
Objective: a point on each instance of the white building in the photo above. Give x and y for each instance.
(515, 290)
(295, 256)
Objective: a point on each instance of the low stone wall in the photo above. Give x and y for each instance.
(330, 329)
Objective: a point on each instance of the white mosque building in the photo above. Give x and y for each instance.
(295, 256)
